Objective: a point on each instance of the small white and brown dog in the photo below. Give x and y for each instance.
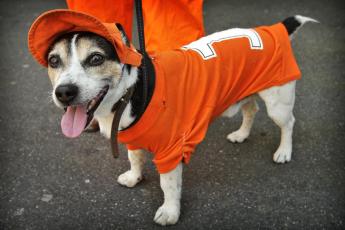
(84, 68)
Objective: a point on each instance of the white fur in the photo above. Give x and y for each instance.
(304, 19)
(103, 113)
(233, 109)
(171, 184)
(89, 86)
(105, 123)
(249, 109)
(279, 101)
(134, 175)
(114, 94)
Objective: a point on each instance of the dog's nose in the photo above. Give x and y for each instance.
(66, 93)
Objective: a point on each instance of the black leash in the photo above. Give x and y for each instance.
(141, 34)
(120, 106)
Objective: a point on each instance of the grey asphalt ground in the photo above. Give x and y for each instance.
(51, 182)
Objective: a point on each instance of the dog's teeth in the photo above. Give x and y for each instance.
(96, 100)
(91, 104)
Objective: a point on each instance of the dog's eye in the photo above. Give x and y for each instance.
(96, 59)
(54, 61)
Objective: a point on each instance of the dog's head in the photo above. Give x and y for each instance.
(88, 71)
(82, 67)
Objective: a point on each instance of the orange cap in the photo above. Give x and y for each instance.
(52, 24)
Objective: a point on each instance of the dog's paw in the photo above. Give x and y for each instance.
(129, 179)
(167, 215)
(237, 136)
(282, 155)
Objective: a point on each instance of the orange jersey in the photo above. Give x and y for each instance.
(197, 83)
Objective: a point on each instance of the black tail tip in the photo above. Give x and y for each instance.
(291, 24)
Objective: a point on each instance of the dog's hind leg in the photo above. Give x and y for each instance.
(249, 109)
(134, 175)
(171, 184)
(279, 102)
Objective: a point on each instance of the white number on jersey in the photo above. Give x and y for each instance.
(204, 45)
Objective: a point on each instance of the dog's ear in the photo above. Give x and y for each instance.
(125, 39)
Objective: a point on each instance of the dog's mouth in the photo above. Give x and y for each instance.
(78, 117)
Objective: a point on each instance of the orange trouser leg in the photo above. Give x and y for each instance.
(168, 24)
(171, 24)
(120, 11)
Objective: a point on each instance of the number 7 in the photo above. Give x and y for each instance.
(204, 45)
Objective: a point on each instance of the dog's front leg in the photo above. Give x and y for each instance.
(135, 174)
(171, 184)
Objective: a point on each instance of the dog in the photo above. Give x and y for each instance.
(88, 78)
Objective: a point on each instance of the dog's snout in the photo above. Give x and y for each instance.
(66, 93)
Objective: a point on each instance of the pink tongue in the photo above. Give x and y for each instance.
(73, 121)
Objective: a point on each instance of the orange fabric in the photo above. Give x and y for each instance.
(172, 24)
(110, 11)
(52, 24)
(191, 91)
(168, 24)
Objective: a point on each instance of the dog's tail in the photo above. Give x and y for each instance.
(292, 24)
